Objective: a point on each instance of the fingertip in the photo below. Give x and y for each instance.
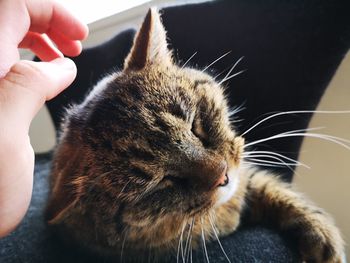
(71, 48)
(81, 31)
(65, 63)
(40, 45)
(28, 84)
(85, 31)
(65, 78)
(75, 49)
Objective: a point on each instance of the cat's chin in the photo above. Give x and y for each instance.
(225, 193)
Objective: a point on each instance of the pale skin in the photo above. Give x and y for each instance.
(24, 88)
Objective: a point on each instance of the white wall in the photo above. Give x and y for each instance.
(328, 180)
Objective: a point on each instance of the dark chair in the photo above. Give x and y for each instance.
(291, 50)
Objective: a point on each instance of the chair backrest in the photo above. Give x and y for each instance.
(291, 50)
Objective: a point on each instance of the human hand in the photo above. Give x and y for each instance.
(25, 86)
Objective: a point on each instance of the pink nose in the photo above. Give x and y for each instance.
(223, 179)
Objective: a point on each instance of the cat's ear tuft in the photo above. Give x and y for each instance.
(66, 191)
(60, 205)
(150, 45)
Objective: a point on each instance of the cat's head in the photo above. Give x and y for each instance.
(150, 148)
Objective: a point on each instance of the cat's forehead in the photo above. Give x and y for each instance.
(161, 87)
(163, 80)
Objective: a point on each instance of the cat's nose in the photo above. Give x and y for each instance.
(223, 178)
(209, 173)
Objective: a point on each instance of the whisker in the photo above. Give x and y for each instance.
(222, 72)
(251, 157)
(272, 162)
(180, 244)
(232, 76)
(122, 249)
(274, 124)
(233, 111)
(303, 130)
(190, 248)
(294, 162)
(282, 163)
(216, 60)
(261, 164)
(203, 239)
(289, 167)
(188, 60)
(291, 112)
(229, 72)
(187, 240)
(217, 238)
(248, 153)
(325, 137)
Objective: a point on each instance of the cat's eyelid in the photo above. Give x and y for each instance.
(198, 131)
(173, 179)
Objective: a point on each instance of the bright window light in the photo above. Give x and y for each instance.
(90, 11)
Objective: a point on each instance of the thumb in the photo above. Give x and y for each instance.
(27, 86)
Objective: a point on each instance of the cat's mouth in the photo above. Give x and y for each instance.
(223, 179)
(228, 188)
(227, 184)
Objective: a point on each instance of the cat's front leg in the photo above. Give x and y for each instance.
(274, 202)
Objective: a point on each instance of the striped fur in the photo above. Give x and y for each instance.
(140, 162)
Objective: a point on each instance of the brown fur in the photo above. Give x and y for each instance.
(138, 164)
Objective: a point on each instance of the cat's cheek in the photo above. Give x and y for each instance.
(225, 193)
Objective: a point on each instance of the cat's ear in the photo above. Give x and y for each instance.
(61, 204)
(150, 45)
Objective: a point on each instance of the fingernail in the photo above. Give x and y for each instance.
(65, 63)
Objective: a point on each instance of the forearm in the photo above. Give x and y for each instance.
(275, 203)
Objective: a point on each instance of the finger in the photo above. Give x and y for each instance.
(50, 14)
(11, 33)
(7, 59)
(41, 46)
(29, 84)
(18, 17)
(68, 47)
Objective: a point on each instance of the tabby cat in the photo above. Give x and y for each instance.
(150, 156)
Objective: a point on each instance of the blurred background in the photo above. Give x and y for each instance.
(326, 183)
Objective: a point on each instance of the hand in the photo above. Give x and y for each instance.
(24, 88)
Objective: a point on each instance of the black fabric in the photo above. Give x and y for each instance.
(291, 50)
(33, 242)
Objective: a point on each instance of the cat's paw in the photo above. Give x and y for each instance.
(320, 241)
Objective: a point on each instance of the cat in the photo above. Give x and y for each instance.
(150, 156)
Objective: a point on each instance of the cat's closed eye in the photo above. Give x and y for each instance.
(172, 180)
(198, 131)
